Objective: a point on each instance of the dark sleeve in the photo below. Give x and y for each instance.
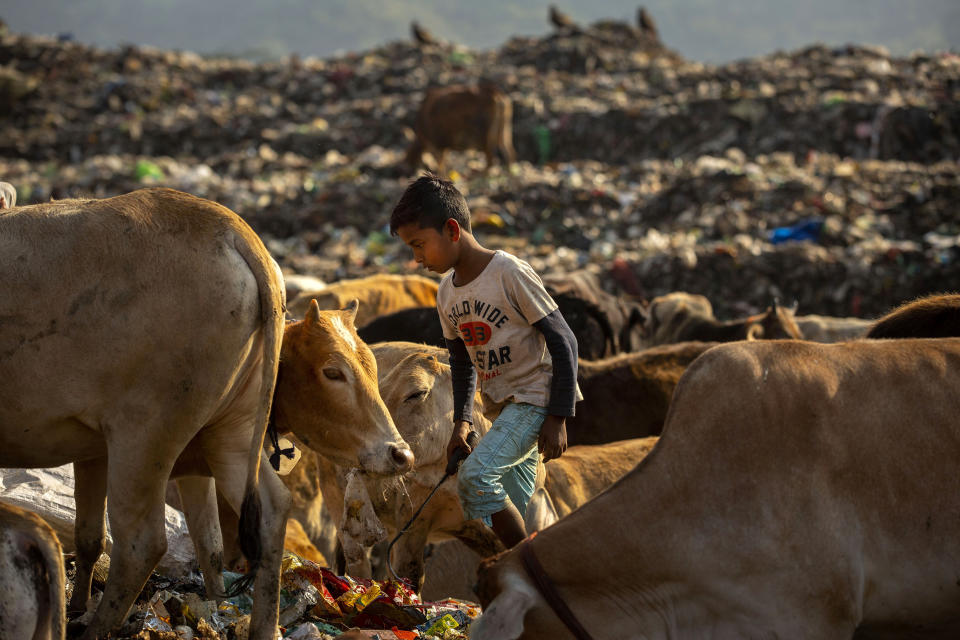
(464, 378)
(562, 345)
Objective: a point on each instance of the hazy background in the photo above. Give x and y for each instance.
(706, 30)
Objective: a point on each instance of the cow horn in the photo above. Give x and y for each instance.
(313, 312)
(351, 309)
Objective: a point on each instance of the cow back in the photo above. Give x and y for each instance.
(929, 317)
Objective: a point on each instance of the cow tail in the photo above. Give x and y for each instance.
(51, 555)
(271, 309)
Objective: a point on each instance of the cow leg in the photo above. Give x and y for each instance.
(274, 504)
(137, 523)
(229, 530)
(407, 557)
(198, 495)
(90, 494)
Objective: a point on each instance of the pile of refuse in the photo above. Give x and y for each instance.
(315, 604)
(826, 175)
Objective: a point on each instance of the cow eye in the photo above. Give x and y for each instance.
(332, 373)
(415, 395)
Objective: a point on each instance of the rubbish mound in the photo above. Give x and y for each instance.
(315, 604)
(639, 162)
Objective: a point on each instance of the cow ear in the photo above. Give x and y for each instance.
(503, 619)
(351, 309)
(313, 313)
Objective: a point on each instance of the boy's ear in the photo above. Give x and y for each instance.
(453, 228)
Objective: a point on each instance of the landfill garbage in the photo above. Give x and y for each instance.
(315, 604)
(670, 169)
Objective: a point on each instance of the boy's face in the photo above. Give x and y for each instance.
(435, 250)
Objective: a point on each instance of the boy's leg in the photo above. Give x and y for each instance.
(511, 441)
(508, 525)
(519, 482)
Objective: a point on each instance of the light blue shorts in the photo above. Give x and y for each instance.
(503, 466)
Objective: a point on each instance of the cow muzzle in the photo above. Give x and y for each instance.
(402, 458)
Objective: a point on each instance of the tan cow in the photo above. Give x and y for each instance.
(578, 475)
(463, 117)
(415, 386)
(32, 581)
(799, 490)
(417, 391)
(327, 381)
(378, 295)
(164, 331)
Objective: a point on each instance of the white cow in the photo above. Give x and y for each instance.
(140, 338)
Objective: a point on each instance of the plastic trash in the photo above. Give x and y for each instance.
(807, 230)
(146, 171)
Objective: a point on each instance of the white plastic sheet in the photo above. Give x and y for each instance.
(49, 493)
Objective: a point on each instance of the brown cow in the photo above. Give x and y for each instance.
(679, 317)
(627, 396)
(935, 316)
(461, 117)
(378, 295)
(626, 317)
(784, 499)
(32, 581)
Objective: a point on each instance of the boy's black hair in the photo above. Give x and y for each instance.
(429, 202)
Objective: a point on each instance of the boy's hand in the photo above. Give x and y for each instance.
(553, 437)
(459, 438)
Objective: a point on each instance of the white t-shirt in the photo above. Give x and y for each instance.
(494, 316)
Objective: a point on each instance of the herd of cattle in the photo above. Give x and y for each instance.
(771, 486)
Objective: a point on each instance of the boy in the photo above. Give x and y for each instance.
(502, 326)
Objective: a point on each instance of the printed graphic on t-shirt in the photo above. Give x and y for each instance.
(478, 322)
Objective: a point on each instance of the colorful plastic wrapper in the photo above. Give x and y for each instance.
(436, 626)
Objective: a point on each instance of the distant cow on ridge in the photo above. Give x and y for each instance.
(461, 117)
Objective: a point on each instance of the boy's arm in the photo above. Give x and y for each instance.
(464, 378)
(562, 345)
